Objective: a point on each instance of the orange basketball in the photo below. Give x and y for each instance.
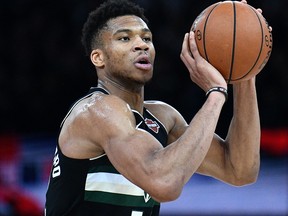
(235, 38)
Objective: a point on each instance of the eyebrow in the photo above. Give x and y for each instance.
(129, 30)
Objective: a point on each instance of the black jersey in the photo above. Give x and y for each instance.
(93, 187)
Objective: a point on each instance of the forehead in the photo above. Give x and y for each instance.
(126, 22)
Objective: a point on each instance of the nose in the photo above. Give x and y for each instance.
(140, 45)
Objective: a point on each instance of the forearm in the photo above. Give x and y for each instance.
(183, 157)
(162, 172)
(192, 147)
(243, 138)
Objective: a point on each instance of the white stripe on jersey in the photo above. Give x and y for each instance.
(111, 183)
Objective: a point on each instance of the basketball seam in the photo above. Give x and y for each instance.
(261, 47)
(233, 46)
(204, 33)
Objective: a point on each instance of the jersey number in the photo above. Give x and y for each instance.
(56, 167)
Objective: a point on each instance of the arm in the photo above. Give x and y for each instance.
(105, 124)
(244, 132)
(236, 159)
(161, 172)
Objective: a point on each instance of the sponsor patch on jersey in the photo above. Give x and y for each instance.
(152, 125)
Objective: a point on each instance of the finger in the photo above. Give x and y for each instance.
(270, 28)
(244, 1)
(185, 47)
(259, 10)
(193, 45)
(186, 55)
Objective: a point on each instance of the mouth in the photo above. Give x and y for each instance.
(143, 63)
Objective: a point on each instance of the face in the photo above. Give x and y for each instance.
(128, 51)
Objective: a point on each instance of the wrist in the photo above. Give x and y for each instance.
(219, 89)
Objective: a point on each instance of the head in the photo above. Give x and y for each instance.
(117, 38)
(97, 21)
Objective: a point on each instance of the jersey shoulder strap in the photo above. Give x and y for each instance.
(94, 89)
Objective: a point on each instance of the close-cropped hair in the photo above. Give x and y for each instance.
(97, 20)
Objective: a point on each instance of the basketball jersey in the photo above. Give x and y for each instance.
(93, 187)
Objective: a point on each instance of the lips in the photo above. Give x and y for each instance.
(143, 62)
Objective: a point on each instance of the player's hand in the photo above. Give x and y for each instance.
(201, 71)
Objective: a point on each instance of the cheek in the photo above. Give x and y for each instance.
(116, 61)
(119, 59)
(153, 53)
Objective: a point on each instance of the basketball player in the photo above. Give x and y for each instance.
(120, 155)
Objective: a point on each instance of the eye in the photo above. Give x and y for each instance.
(147, 39)
(124, 38)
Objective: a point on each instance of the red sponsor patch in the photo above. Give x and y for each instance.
(152, 125)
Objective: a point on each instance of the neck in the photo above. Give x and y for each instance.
(133, 96)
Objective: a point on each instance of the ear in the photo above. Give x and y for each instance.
(97, 58)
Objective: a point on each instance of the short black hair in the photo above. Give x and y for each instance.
(98, 18)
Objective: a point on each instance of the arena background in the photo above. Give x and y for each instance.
(43, 69)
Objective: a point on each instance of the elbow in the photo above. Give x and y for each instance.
(245, 175)
(251, 179)
(166, 196)
(243, 180)
(166, 192)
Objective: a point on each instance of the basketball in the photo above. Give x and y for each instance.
(235, 38)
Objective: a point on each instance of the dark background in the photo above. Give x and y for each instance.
(43, 68)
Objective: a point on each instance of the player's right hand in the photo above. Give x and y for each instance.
(201, 72)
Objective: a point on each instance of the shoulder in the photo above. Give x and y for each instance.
(100, 106)
(93, 121)
(101, 110)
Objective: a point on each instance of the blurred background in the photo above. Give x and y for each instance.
(43, 70)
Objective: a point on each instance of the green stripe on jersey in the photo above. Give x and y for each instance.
(118, 199)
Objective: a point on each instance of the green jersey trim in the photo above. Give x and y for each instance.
(118, 199)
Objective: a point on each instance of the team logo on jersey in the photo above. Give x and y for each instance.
(152, 125)
(146, 197)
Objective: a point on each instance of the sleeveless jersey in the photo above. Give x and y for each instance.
(93, 187)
